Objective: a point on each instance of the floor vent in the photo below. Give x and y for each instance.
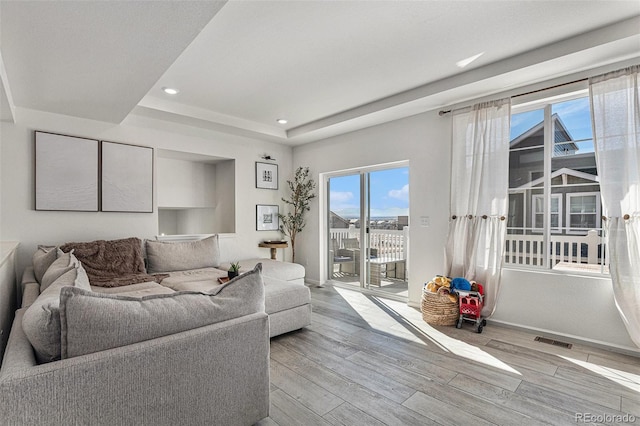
(553, 342)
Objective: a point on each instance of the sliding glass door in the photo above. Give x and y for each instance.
(368, 229)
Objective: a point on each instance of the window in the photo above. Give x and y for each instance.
(538, 213)
(583, 212)
(554, 193)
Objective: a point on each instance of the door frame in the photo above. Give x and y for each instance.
(324, 216)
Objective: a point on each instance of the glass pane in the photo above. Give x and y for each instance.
(539, 204)
(527, 129)
(589, 204)
(539, 221)
(516, 211)
(572, 122)
(555, 204)
(583, 221)
(344, 228)
(526, 168)
(386, 257)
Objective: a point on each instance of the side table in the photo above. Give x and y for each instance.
(274, 246)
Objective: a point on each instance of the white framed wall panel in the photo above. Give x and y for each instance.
(66, 173)
(127, 178)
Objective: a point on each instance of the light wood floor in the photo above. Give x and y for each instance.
(370, 361)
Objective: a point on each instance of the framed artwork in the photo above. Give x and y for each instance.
(266, 175)
(267, 218)
(127, 178)
(66, 173)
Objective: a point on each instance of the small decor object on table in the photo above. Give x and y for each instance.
(266, 175)
(234, 270)
(267, 218)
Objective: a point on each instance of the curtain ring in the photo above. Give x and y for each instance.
(502, 218)
(454, 217)
(626, 217)
(604, 218)
(470, 217)
(484, 216)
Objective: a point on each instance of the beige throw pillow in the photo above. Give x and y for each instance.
(42, 259)
(165, 256)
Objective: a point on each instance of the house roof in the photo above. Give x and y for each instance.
(560, 172)
(561, 134)
(327, 67)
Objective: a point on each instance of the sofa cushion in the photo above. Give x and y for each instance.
(42, 259)
(164, 256)
(111, 263)
(41, 321)
(205, 279)
(286, 271)
(93, 322)
(282, 295)
(134, 290)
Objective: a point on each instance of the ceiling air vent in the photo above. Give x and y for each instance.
(553, 342)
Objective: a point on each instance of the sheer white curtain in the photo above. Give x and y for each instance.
(479, 183)
(615, 105)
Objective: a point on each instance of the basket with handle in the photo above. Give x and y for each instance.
(438, 309)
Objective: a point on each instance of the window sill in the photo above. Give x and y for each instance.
(565, 272)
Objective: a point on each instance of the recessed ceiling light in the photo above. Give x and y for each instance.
(463, 63)
(170, 90)
(282, 120)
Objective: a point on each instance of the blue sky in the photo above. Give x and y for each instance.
(389, 194)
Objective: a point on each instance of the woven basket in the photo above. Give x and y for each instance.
(437, 309)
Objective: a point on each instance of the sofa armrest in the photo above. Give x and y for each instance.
(195, 375)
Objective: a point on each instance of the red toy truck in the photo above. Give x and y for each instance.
(471, 303)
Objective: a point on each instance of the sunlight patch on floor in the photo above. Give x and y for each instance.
(400, 320)
(623, 378)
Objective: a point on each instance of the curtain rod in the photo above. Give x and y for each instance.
(443, 112)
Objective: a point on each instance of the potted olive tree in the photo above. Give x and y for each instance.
(301, 190)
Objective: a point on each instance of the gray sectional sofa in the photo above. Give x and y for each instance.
(173, 346)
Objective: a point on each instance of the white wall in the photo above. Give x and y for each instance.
(578, 307)
(20, 222)
(575, 306)
(185, 183)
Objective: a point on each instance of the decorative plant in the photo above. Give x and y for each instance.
(234, 270)
(301, 193)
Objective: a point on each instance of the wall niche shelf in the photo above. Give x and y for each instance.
(196, 193)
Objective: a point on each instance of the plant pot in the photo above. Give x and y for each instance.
(232, 274)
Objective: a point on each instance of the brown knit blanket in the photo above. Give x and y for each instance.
(112, 263)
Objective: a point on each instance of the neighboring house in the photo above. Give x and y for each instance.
(337, 221)
(575, 188)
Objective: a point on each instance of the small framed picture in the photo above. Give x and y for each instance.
(266, 175)
(267, 218)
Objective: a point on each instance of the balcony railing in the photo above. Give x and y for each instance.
(388, 243)
(571, 252)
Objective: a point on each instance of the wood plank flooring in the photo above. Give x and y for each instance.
(371, 361)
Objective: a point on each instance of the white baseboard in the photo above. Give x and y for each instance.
(626, 350)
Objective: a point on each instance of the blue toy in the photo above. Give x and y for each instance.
(460, 284)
